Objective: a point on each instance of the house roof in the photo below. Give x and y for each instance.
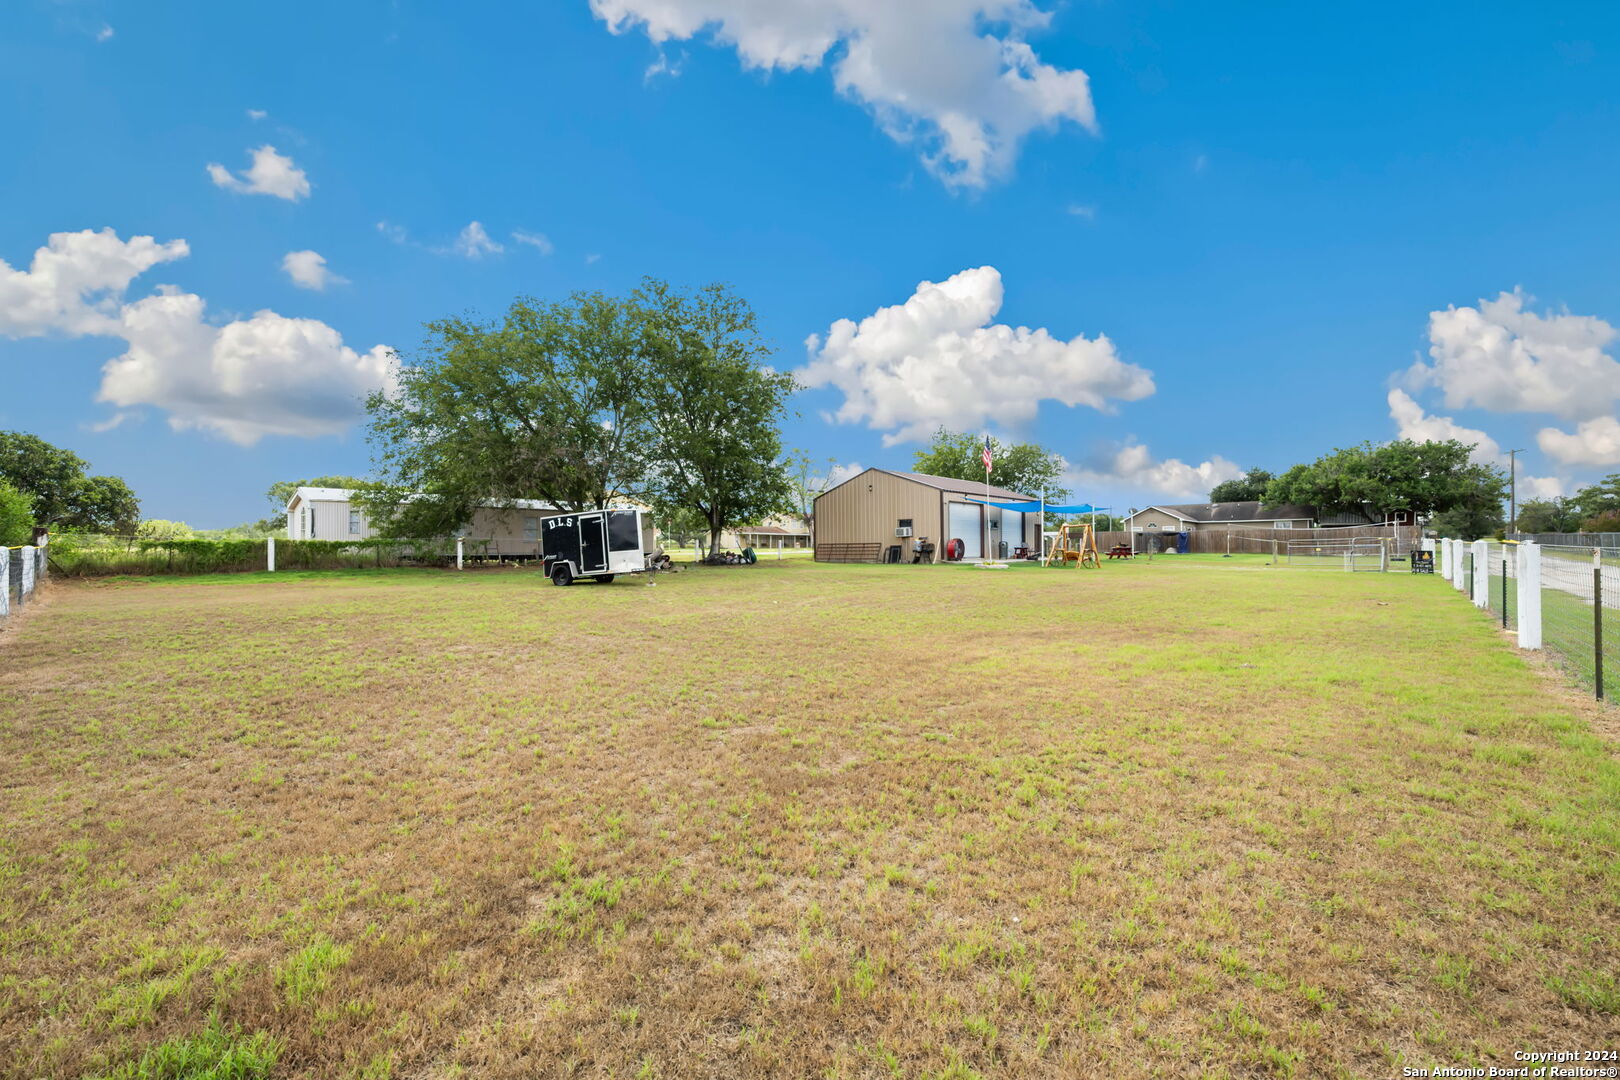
(774, 530)
(1229, 512)
(943, 483)
(326, 494)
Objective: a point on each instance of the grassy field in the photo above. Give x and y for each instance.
(1189, 817)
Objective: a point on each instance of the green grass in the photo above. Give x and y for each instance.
(1189, 817)
(212, 1054)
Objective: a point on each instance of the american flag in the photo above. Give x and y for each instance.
(986, 455)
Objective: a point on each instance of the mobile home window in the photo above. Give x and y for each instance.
(531, 527)
(354, 523)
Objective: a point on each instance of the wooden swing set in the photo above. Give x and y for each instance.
(1076, 543)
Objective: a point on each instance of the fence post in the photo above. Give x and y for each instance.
(1482, 574)
(26, 572)
(1597, 620)
(1459, 558)
(5, 582)
(1445, 559)
(270, 554)
(1529, 596)
(1504, 586)
(42, 554)
(460, 553)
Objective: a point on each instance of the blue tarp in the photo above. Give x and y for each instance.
(1035, 507)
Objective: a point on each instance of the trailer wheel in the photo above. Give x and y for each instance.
(561, 575)
(604, 579)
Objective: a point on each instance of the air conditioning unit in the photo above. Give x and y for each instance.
(904, 530)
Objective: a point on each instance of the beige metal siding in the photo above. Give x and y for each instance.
(867, 509)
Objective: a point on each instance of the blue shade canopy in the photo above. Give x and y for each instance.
(1035, 507)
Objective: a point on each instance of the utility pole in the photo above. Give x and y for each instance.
(1513, 490)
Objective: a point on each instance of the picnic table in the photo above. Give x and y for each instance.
(1120, 551)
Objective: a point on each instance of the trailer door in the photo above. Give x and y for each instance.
(593, 552)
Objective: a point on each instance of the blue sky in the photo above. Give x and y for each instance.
(1230, 234)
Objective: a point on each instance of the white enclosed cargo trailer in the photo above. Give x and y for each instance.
(595, 544)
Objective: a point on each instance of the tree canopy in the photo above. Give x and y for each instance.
(661, 396)
(64, 495)
(1598, 505)
(545, 404)
(16, 517)
(1250, 487)
(1026, 468)
(1548, 515)
(1427, 478)
(714, 407)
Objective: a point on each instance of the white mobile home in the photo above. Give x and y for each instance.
(330, 514)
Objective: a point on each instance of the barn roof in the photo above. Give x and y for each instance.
(955, 486)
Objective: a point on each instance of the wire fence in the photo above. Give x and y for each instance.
(1580, 614)
(22, 570)
(1564, 599)
(1502, 593)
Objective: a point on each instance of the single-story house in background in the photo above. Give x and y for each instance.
(787, 531)
(885, 507)
(1202, 517)
(509, 527)
(1192, 517)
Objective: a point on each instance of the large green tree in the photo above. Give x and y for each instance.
(714, 407)
(1427, 478)
(16, 517)
(64, 495)
(809, 478)
(1598, 505)
(1250, 487)
(1548, 516)
(1023, 467)
(549, 403)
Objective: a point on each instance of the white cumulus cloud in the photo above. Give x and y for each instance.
(1593, 442)
(1411, 422)
(76, 282)
(269, 174)
(539, 241)
(308, 270)
(956, 77)
(266, 375)
(243, 379)
(474, 243)
(1500, 357)
(1132, 467)
(938, 360)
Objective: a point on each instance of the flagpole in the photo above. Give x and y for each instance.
(992, 558)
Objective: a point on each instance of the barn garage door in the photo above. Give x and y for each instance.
(964, 522)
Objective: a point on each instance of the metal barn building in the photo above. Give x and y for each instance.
(860, 519)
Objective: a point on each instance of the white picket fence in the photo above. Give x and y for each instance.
(22, 569)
